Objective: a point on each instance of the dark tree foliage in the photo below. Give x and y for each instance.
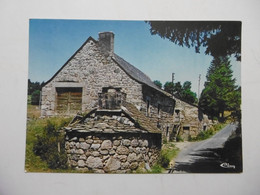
(220, 93)
(158, 83)
(220, 38)
(35, 97)
(168, 87)
(181, 91)
(33, 86)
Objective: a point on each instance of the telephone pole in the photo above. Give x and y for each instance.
(172, 81)
(199, 88)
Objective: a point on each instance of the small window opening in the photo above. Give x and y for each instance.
(186, 128)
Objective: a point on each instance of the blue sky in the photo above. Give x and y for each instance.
(53, 42)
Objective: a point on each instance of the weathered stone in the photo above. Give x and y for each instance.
(89, 141)
(105, 157)
(73, 163)
(84, 145)
(125, 165)
(134, 143)
(104, 152)
(122, 150)
(72, 144)
(126, 142)
(133, 165)
(112, 152)
(81, 139)
(116, 142)
(112, 165)
(88, 153)
(77, 145)
(95, 153)
(74, 139)
(101, 126)
(74, 157)
(122, 158)
(131, 157)
(145, 143)
(83, 157)
(95, 146)
(80, 151)
(81, 163)
(139, 157)
(106, 145)
(97, 141)
(94, 162)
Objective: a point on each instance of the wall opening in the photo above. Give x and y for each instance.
(68, 100)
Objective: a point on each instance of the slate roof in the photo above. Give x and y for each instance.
(137, 74)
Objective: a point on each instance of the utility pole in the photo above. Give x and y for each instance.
(199, 88)
(172, 81)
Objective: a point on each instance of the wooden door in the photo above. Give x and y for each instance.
(69, 100)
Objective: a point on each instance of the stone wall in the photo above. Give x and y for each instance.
(111, 153)
(160, 111)
(91, 70)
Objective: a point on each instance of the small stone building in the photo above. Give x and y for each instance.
(95, 76)
(113, 141)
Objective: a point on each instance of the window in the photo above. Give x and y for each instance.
(148, 108)
(186, 128)
(159, 108)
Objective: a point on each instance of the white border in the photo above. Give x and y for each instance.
(14, 22)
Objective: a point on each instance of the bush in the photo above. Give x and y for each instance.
(46, 146)
(35, 98)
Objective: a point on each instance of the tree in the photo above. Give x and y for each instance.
(168, 86)
(220, 38)
(35, 97)
(220, 93)
(186, 93)
(181, 91)
(158, 83)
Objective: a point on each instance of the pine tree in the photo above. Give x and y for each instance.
(220, 93)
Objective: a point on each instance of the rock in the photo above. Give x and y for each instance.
(83, 157)
(131, 157)
(122, 158)
(81, 139)
(104, 152)
(94, 162)
(89, 141)
(145, 143)
(81, 163)
(133, 166)
(95, 153)
(84, 146)
(147, 166)
(74, 157)
(95, 146)
(101, 126)
(125, 165)
(77, 145)
(74, 139)
(134, 143)
(80, 151)
(122, 150)
(112, 165)
(112, 152)
(106, 145)
(126, 142)
(73, 163)
(116, 142)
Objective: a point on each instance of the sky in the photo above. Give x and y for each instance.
(53, 42)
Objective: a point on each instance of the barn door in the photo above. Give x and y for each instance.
(69, 100)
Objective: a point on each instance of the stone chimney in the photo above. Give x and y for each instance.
(106, 42)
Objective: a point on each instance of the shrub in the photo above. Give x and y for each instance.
(46, 146)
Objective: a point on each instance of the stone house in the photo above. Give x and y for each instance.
(95, 77)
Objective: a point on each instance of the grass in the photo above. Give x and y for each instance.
(208, 133)
(168, 152)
